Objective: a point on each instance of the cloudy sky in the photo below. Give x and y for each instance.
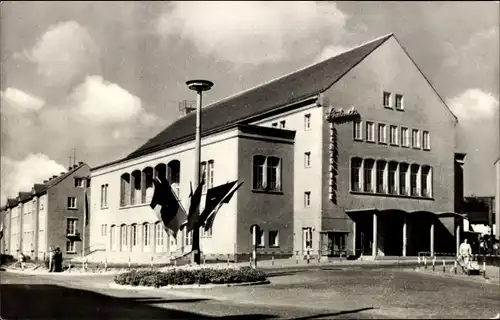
(105, 77)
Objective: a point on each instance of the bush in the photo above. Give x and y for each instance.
(155, 278)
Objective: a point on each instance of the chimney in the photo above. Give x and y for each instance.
(45, 181)
(186, 107)
(54, 176)
(80, 163)
(70, 167)
(62, 173)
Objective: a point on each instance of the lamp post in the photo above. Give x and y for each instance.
(199, 86)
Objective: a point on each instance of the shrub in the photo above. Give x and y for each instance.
(156, 278)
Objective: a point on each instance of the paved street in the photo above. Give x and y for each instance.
(306, 294)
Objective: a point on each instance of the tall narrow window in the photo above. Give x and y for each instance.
(368, 175)
(307, 121)
(149, 189)
(382, 133)
(203, 173)
(273, 173)
(274, 239)
(160, 235)
(399, 102)
(282, 124)
(136, 187)
(125, 190)
(134, 235)
(356, 174)
(393, 166)
(370, 131)
(415, 138)
(258, 172)
(307, 159)
(426, 181)
(426, 137)
(123, 232)
(357, 130)
(393, 135)
(189, 238)
(405, 137)
(403, 172)
(71, 203)
(71, 226)
(145, 233)
(174, 175)
(387, 99)
(380, 176)
(210, 173)
(307, 199)
(414, 179)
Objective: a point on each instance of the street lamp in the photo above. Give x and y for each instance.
(199, 86)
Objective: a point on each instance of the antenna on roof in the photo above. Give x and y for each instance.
(69, 164)
(187, 106)
(74, 156)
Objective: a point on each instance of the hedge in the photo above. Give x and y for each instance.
(155, 278)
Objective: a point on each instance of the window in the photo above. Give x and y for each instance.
(104, 196)
(368, 175)
(125, 189)
(426, 137)
(207, 233)
(399, 102)
(356, 174)
(381, 176)
(210, 174)
(135, 195)
(307, 121)
(357, 130)
(203, 173)
(70, 247)
(415, 138)
(266, 173)
(426, 181)
(405, 137)
(382, 133)
(79, 182)
(307, 199)
(146, 235)
(71, 226)
(387, 99)
(174, 175)
(274, 125)
(134, 235)
(393, 135)
(414, 180)
(274, 240)
(370, 131)
(189, 238)
(104, 230)
(393, 178)
(71, 203)
(307, 159)
(403, 172)
(282, 124)
(260, 238)
(160, 234)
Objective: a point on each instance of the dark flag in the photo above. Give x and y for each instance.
(216, 197)
(167, 206)
(86, 207)
(194, 205)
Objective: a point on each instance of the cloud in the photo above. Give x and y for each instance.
(253, 32)
(105, 102)
(478, 115)
(64, 54)
(20, 175)
(20, 100)
(330, 51)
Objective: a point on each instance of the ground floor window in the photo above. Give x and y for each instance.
(70, 247)
(274, 238)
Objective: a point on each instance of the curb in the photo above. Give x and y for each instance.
(478, 279)
(62, 274)
(113, 285)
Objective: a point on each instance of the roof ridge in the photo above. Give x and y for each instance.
(296, 70)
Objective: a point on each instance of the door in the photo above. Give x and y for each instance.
(306, 240)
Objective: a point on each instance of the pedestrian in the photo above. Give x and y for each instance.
(465, 253)
(22, 259)
(58, 260)
(51, 259)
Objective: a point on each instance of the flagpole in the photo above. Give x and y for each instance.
(199, 86)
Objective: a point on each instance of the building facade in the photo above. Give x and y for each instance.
(378, 178)
(50, 215)
(497, 199)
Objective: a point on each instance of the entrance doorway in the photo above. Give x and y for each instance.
(336, 243)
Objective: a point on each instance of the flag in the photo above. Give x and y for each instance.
(167, 206)
(1, 229)
(216, 197)
(86, 207)
(194, 205)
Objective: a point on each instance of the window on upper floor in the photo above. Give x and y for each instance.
(393, 135)
(426, 181)
(307, 159)
(368, 175)
(382, 133)
(307, 121)
(386, 99)
(414, 172)
(356, 174)
(71, 226)
(79, 182)
(403, 178)
(381, 170)
(370, 131)
(207, 170)
(174, 175)
(307, 199)
(104, 195)
(393, 177)
(357, 131)
(124, 190)
(426, 140)
(405, 137)
(399, 102)
(282, 124)
(188, 238)
(71, 203)
(415, 138)
(266, 173)
(70, 247)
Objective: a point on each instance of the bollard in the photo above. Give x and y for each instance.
(418, 263)
(69, 266)
(319, 256)
(152, 258)
(296, 257)
(341, 257)
(455, 267)
(272, 260)
(434, 264)
(425, 263)
(204, 259)
(175, 262)
(228, 263)
(307, 257)
(251, 262)
(86, 263)
(105, 264)
(129, 263)
(484, 269)
(444, 266)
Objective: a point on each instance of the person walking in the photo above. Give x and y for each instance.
(465, 252)
(22, 260)
(58, 260)
(51, 259)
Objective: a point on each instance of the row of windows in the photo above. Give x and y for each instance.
(273, 239)
(397, 136)
(266, 173)
(282, 123)
(119, 235)
(389, 103)
(368, 175)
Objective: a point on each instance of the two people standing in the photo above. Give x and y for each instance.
(55, 260)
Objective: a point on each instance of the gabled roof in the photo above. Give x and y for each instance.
(241, 107)
(39, 188)
(12, 202)
(24, 196)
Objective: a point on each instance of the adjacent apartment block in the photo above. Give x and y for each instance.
(356, 154)
(50, 215)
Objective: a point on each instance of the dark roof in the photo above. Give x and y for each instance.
(39, 188)
(24, 196)
(239, 108)
(12, 202)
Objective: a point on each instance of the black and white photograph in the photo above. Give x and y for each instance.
(250, 160)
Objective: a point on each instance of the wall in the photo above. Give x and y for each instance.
(388, 69)
(497, 200)
(272, 211)
(305, 178)
(42, 226)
